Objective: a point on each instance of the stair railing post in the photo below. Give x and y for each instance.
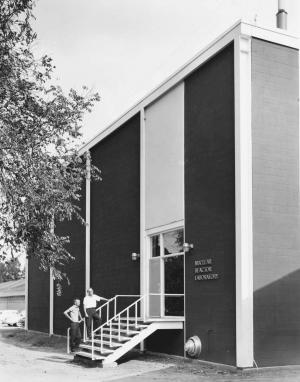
(144, 307)
(107, 312)
(101, 340)
(110, 331)
(127, 321)
(84, 330)
(119, 338)
(135, 315)
(115, 306)
(92, 339)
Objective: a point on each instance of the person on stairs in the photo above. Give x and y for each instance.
(89, 307)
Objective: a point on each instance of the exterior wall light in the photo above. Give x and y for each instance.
(135, 256)
(193, 346)
(187, 247)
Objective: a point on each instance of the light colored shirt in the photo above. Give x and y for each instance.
(91, 301)
(73, 312)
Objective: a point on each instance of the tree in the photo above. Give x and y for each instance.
(41, 172)
(11, 270)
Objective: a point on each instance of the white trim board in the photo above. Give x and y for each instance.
(166, 227)
(243, 202)
(143, 258)
(240, 27)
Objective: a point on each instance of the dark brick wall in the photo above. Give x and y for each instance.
(210, 205)
(276, 227)
(115, 213)
(38, 297)
(75, 269)
(167, 341)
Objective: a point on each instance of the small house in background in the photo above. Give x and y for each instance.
(12, 295)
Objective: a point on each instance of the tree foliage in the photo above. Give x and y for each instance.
(11, 270)
(41, 172)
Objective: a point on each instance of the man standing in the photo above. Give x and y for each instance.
(74, 315)
(89, 307)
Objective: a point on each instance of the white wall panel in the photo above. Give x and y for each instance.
(164, 159)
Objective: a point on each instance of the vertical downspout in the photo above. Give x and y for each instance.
(88, 223)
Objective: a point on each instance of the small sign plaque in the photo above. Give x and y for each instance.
(204, 270)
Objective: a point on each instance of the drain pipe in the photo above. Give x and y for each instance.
(281, 15)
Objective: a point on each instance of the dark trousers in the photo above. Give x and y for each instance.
(92, 315)
(75, 337)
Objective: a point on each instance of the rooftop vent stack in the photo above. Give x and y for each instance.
(281, 15)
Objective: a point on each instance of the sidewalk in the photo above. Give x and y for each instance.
(35, 358)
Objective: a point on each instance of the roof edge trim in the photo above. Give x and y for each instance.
(238, 28)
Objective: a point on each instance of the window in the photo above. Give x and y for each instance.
(166, 274)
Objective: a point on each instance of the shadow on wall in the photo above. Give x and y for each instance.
(277, 322)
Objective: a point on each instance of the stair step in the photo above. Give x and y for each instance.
(97, 349)
(132, 319)
(89, 355)
(138, 326)
(122, 338)
(116, 331)
(105, 342)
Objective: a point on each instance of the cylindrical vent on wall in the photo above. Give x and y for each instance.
(281, 15)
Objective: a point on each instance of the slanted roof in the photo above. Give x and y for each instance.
(12, 288)
(240, 28)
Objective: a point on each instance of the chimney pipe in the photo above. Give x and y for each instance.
(281, 15)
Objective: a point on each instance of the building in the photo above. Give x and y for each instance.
(12, 295)
(209, 158)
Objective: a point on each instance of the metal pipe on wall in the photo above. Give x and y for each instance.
(281, 15)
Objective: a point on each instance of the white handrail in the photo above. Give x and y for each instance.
(122, 311)
(105, 304)
(108, 323)
(122, 295)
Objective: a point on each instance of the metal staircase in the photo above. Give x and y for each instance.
(121, 332)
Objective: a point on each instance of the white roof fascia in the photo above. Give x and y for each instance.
(12, 294)
(278, 36)
(170, 82)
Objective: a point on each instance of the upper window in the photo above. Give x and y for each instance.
(167, 243)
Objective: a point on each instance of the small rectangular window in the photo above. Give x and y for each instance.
(155, 246)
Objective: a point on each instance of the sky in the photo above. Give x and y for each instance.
(124, 48)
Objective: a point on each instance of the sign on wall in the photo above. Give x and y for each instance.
(204, 270)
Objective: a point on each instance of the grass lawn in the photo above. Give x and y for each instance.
(27, 339)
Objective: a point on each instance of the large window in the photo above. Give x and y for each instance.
(166, 274)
